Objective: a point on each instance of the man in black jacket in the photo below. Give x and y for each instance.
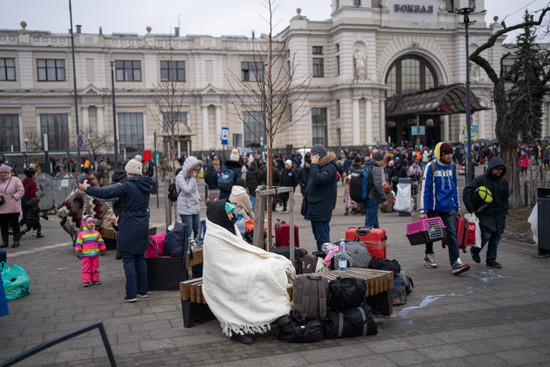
(492, 217)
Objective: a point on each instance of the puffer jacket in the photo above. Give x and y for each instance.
(189, 198)
(376, 192)
(89, 241)
(13, 191)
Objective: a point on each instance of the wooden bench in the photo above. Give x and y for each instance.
(379, 294)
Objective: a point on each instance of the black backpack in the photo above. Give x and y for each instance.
(173, 192)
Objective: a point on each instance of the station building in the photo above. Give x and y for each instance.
(364, 63)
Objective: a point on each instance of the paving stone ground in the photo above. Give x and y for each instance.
(485, 317)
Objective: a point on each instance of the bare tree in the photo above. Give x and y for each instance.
(34, 141)
(272, 85)
(507, 108)
(95, 141)
(168, 103)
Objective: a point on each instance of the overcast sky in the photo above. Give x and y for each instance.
(212, 17)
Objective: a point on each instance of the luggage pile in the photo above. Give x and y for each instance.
(322, 310)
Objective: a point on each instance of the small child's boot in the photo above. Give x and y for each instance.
(39, 235)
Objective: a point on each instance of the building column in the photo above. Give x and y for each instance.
(205, 128)
(382, 109)
(85, 119)
(368, 121)
(446, 128)
(100, 122)
(481, 122)
(355, 121)
(218, 112)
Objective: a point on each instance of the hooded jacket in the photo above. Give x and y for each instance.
(189, 198)
(215, 212)
(321, 189)
(89, 241)
(440, 189)
(376, 192)
(494, 216)
(240, 198)
(134, 217)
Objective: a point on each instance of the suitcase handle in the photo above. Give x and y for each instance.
(363, 232)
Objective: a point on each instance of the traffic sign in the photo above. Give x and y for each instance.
(225, 135)
(80, 141)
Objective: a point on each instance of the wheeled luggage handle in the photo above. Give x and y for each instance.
(362, 231)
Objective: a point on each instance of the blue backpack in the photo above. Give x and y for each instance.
(225, 180)
(359, 185)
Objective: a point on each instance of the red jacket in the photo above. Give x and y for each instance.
(30, 188)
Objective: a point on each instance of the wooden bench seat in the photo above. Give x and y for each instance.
(379, 293)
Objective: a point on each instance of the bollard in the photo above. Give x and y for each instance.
(525, 194)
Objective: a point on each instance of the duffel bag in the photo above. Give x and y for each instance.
(346, 293)
(301, 331)
(351, 322)
(155, 245)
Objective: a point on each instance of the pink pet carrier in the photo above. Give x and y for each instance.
(425, 230)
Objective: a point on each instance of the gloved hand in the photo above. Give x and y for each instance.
(102, 252)
(45, 217)
(79, 254)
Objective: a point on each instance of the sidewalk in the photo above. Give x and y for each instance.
(484, 317)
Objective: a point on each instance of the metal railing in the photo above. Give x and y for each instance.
(39, 348)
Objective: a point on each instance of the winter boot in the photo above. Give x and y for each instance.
(16, 237)
(5, 240)
(346, 212)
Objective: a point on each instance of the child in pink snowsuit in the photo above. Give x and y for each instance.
(88, 246)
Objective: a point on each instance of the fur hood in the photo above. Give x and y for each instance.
(326, 159)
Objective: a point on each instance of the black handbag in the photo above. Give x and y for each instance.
(302, 331)
(2, 199)
(304, 206)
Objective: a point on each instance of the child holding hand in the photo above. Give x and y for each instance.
(88, 246)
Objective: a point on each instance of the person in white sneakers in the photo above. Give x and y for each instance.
(440, 199)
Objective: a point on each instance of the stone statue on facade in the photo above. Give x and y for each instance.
(360, 62)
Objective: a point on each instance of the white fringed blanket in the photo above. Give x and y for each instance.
(244, 286)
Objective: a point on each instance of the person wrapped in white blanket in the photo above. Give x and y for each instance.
(244, 286)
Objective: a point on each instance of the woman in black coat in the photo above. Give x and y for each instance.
(133, 225)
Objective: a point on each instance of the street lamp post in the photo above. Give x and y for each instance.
(74, 82)
(115, 139)
(469, 164)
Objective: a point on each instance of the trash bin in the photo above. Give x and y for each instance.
(543, 218)
(404, 197)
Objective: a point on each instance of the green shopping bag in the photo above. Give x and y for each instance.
(16, 281)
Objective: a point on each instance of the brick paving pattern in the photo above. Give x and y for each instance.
(484, 317)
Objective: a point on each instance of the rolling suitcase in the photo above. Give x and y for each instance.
(464, 232)
(282, 234)
(373, 238)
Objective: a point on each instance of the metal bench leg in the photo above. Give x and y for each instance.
(195, 313)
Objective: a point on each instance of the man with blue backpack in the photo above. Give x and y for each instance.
(375, 193)
(366, 188)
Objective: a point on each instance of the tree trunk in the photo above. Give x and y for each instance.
(508, 144)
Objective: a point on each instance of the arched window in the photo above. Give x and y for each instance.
(409, 73)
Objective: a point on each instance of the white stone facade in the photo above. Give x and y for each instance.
(360, 43)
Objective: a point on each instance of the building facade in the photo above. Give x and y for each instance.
(369, 54)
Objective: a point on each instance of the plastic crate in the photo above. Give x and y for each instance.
(425, 230)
